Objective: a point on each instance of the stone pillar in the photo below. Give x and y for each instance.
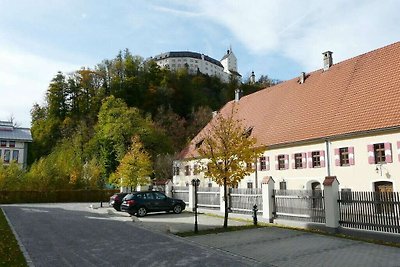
(267, 188)
(168, 188)
(221, 199)
(331, 195)
(191, 197)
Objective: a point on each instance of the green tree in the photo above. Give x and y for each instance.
(229, 150)
(163, 166)
(11, 176)
(173, 125)
(135, 167)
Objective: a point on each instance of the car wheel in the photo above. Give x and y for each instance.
(141, 212)
(177, 209)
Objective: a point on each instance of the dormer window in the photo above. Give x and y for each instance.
(198, 144)
(248, 132)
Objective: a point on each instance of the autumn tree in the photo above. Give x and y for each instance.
(135, 167)
(227, 152)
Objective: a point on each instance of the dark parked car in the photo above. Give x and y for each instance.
(140, 203)
(116, 200)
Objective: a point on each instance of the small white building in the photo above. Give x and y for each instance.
(196, 62)
(14, 143)
(342, 120)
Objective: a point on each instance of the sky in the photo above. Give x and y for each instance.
(278, 38)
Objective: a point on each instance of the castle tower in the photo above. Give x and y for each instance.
(229, 62)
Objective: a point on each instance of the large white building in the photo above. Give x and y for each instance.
(342, 120)
(14, 143)
(196, 62)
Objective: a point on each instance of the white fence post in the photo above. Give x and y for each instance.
(168, 188)
(191, 197)
(267, 188)
(221, 199)
(331, 194)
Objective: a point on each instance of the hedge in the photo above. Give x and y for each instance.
(12, 197)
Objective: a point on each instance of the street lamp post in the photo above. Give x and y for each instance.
(195, 183)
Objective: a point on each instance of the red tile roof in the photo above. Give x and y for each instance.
(355, 95)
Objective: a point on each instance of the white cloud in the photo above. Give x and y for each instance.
(302, 30)
(24, 80)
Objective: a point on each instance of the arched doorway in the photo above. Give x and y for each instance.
(316, 195)
(384, 193)
(316, 186)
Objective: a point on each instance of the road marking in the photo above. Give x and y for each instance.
(109, 219)
(34, 210)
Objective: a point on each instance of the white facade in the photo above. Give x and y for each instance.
(14, 144)
(196, 62)
(361, 175)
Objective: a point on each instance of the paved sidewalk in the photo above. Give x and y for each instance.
(273, 246)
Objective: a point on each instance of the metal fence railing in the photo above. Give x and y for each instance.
(377, 211)
(208, 197)
(242, 200)
(299, 205)
(181, 192)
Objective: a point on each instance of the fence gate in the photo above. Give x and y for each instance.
(242, 200)
(181, 192)
(299, 205)
(208, 197)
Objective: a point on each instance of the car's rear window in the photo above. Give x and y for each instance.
(129, 196)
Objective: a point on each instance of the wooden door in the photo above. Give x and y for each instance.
(383, 197)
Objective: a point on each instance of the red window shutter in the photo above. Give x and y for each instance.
(388, 153)
(398, 149)
(267, 163)
(309, 158)
(322, 158)
(371, 154)
(351, 155)
(276, 163)
(293, 162)
(304, 160)
(337, 157)
(286, 162)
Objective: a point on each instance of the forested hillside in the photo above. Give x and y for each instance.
(90, 117)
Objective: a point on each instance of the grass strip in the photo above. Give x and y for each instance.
(10, 253)
(217, 230)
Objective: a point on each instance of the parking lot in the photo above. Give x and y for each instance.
(72, 234)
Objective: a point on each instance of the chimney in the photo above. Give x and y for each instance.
(328, 61)
(238, 95)
(302, 78)
(252, 78)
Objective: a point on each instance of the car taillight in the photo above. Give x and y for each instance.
(130, 202)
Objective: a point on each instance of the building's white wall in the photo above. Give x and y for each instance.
(20, 146)
(360, 176)
(195, 64)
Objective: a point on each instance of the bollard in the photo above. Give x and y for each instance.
(255, 214)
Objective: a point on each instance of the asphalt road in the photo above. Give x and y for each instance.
(56, 236)
(68, 234)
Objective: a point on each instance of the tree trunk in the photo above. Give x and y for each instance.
(226, 205)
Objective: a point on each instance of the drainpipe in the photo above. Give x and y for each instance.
(328, 156)
(256, 178)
